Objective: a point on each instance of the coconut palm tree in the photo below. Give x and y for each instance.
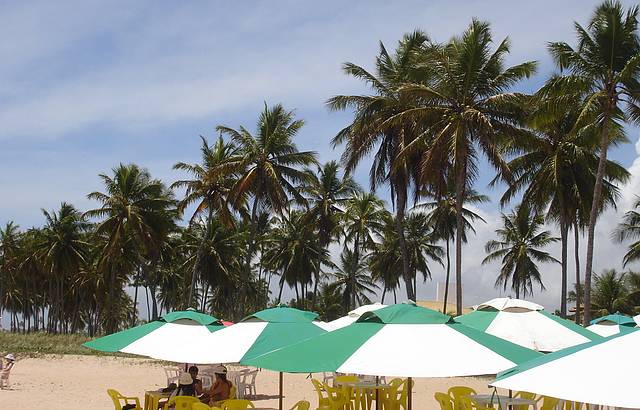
(602, 71)
(610, 293)
(442, 218)
(629, 228)
(519, 248)
(556, 173)
(270, 164)
(326, 195)
(62, 248)
(352, 280)
(465, 111)
(209, 190)
(371, 130)
(136, 215)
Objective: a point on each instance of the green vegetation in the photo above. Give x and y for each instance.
(45, 343)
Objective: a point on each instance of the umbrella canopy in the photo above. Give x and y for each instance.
(351, 317)
(526, 324)
(256, 334)
(163, 337)
(611, 324)
(599, 373)
(401, 340)
(637, 319)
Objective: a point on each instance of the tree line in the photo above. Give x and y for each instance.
(256, 210)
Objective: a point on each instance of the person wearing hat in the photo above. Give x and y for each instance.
(221, 388)
(9, 361)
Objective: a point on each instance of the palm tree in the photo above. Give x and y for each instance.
(326, 195)
(137, 215)
(603, 72)
(209, 190)
(269, 160)
(63, 250)
(9, 249)
(630, 229)
(465, 110)
(610, 293)
(352, 280)
(556, 172)
(370, 128)
(442, 218)
(519, 247)
(363, 220)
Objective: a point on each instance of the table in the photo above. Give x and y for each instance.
(493, 399)
(152, 398)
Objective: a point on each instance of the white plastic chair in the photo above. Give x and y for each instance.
(173, 374)
(249, 382)
(207, 381)
(328, 377)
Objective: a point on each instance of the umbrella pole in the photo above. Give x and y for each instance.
(377, 393)
(409, 394)
(280, 392)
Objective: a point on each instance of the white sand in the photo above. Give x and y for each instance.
(80, 382)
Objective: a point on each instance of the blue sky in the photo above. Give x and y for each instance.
(86, 85)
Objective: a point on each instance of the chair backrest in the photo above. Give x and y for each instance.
(252, 376)
(181, 402)
(207, 381)
(200, 406)
(237, 404)
(458, 392)
(347, 378)
(301, 405)
(233, 392)
(115, 398)
(444, 400)
(317, 385)
(464, 403)
(525, 395)
(549, 403)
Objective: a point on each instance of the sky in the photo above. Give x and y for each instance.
(87, 85)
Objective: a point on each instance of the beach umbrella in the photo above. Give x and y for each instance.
(637, 319)
(351, 317)
(164, 337)
(598, 373)
(611, 324)
(526, 324)
(401, 340)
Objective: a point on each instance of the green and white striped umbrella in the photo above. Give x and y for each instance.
(164, 338)
(526, 324)
(401, 340)
(258, 333)
(611, 324)
(603, 373)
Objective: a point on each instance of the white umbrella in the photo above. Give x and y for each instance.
(526, 324)
(611, 324)
(637, 319)
(601, 373)
(351, 317)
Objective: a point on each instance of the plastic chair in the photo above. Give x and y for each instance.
(347, 390)
(181, 402)
(237, 404)
(389, 396)
(201, 406)
(524, 395)
(456, 392)
(328, 377)
(249, 383)
(172, 374)
(120, 401)
(301, 405)
(322, 399)
(444, 400)
(337, 400)
(207, 381)
(549, 403)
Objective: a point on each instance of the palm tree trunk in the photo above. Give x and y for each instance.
(384, 292)
(446, 281)
(280, 294)
(460, 187)
(576, 250)
(401, 204)
(395, 297)
(135, 299)
(593, 216)
(564, 228)
(198, 261)
(315, 288)
(352, 279)
(247, 261)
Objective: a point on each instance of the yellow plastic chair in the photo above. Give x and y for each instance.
(301, 405)
(348, 391)
(444, 400)
(237, 404)
(120, 401)
(233, 392)
(456, 392)
(466, 403)
(389, 396)
(202, 406)
(181, 402)
(524, 395)
(323, 401)
(549, 403)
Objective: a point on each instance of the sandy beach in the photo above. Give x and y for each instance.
(65, 382)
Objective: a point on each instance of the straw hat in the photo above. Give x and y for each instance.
(219, 369)
(185, 378)
(11, 357)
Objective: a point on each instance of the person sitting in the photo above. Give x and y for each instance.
(197, 383)
(8, 363)
(221, 388)
(186, 386)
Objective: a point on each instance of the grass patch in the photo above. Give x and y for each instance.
(33, 344)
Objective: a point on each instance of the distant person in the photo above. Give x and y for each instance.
(8, 363)
(221, 389)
